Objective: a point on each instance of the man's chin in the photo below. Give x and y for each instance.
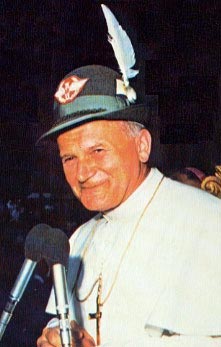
(93, 206)
(96, 205)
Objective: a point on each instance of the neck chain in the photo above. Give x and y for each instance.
(98, 281)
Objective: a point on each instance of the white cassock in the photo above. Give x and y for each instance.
(159, 253)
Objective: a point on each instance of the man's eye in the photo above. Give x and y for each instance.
(67, 159)
(98, 150)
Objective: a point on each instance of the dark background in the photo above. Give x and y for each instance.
(177, 45)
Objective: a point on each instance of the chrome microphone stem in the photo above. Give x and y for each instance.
(62, 307)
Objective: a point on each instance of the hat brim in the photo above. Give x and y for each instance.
(136, 113)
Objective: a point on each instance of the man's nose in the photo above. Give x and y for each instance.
(85, 169)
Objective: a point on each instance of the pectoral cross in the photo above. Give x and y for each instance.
(98, 314)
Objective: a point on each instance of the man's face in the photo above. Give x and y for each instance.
(102, 164)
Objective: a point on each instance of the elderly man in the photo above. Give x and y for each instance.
(145, 271)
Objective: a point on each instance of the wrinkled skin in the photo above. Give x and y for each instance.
(103, 164)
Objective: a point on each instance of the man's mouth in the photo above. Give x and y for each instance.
(92, 186)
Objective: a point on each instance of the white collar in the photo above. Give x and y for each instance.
(137, 200)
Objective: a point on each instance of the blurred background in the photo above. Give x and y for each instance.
(177, 45)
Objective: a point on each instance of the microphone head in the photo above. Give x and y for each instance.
(51, 244)
(57, 248)
(35, 240)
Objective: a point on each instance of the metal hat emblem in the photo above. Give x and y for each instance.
(69, 88)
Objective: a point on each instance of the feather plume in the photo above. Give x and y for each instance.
(123, 51)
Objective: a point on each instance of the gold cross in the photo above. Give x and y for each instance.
(98, 313)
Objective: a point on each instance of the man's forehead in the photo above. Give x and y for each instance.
(92, 134)
(95, 127)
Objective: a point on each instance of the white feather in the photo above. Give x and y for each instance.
(122, 46)
(131, 94)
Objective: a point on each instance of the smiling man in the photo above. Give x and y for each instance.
(145, 271)
(97, 170)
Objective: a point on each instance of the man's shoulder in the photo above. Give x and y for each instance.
(172, 189)
(189, 193)
(187, 209)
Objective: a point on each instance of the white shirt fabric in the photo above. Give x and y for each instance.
(170, 276)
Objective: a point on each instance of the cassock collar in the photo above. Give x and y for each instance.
(136, 202)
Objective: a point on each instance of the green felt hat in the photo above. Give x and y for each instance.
(90, 93)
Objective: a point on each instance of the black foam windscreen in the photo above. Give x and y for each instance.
(44, 242)
(57, 248)
(35, 240)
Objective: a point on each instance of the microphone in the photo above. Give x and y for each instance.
(57, 257)
(33, 245)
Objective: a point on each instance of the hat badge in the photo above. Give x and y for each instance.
(69, 88)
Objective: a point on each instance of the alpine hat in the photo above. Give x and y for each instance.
(90, 93)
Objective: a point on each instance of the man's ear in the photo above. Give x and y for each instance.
(143, 141)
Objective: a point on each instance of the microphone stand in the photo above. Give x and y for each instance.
(16, 293)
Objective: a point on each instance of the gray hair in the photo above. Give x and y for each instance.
(132, 129)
